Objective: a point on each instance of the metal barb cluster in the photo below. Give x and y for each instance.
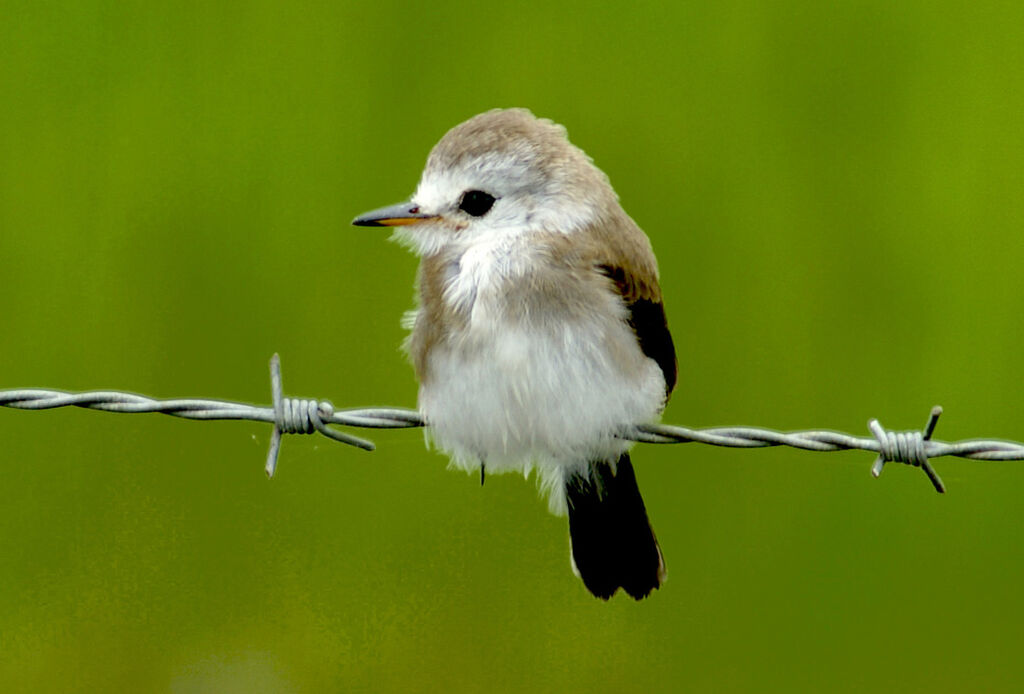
(906, 447)
(304, 416)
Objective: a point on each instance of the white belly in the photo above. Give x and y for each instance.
(519, 396)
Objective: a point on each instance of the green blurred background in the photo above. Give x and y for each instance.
(835, 193)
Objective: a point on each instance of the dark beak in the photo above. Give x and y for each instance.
(393, 216)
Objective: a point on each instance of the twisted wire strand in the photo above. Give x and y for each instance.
(306, 416)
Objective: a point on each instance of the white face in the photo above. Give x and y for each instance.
(493, 195)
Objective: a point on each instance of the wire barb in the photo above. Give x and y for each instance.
(305, 416)
(907, 447)
(295, 416)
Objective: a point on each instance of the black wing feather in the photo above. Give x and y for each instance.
(647, 318)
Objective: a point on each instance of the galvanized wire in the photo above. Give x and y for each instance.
(304, 416)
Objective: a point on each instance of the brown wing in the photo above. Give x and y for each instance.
(647, 318)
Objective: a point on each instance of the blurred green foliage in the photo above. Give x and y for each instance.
(835, 193)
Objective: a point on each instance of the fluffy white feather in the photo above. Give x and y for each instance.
(541, 394)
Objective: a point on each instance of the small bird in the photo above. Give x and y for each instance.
(540, 332)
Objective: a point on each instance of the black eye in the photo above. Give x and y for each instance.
(476, 202)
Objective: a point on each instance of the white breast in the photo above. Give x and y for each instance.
(517, 390)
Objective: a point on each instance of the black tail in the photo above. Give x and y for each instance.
(612, 541)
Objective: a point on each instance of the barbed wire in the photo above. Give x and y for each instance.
(305, 416)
